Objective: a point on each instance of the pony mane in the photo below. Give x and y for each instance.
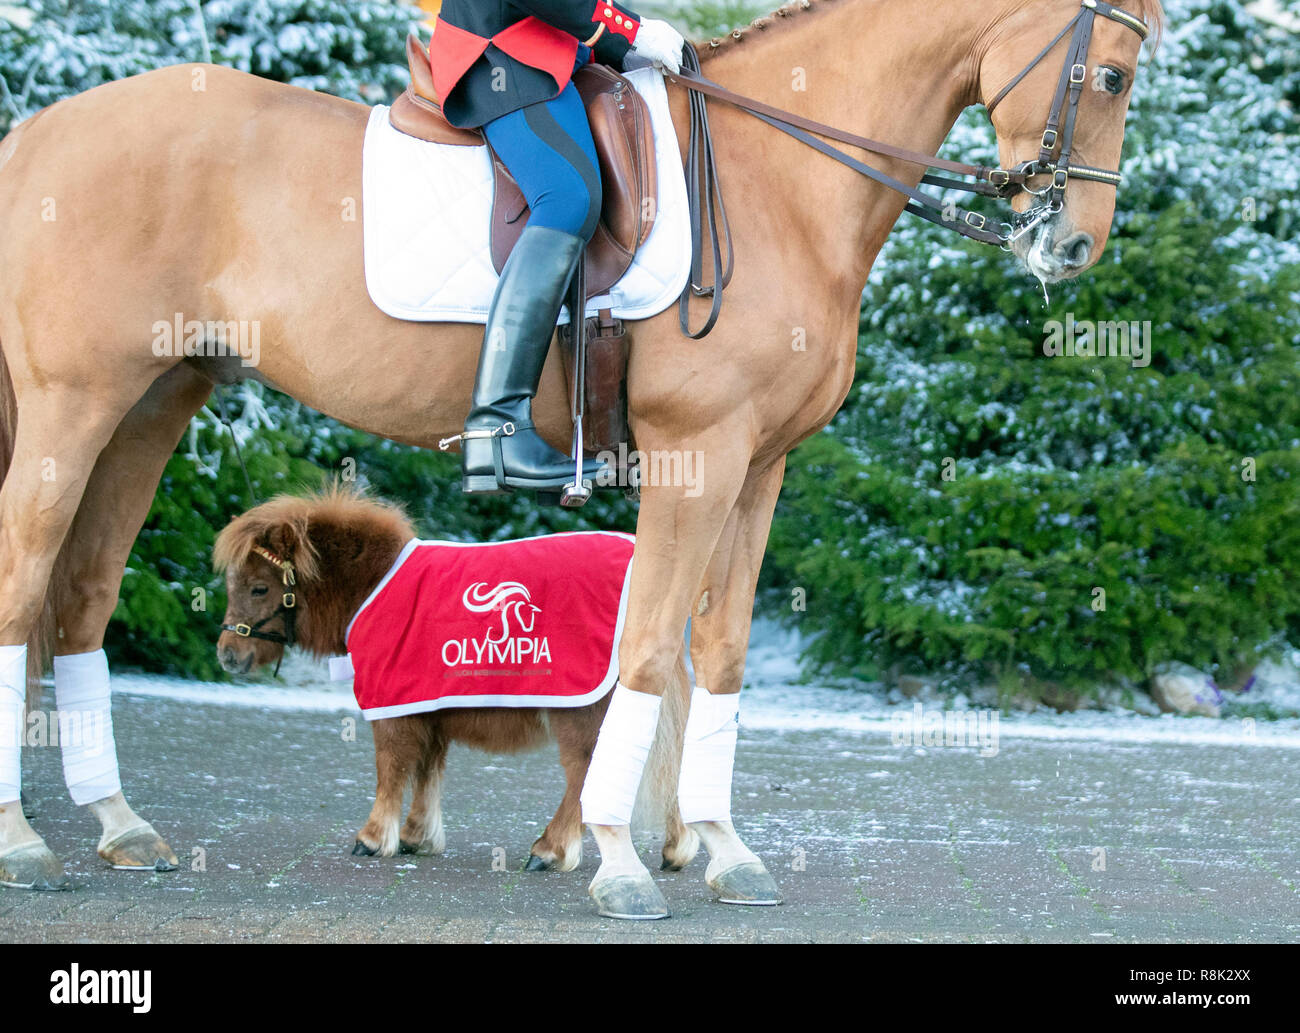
(290, 518)
(1150, 10)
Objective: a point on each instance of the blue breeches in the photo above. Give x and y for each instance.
(548, 149)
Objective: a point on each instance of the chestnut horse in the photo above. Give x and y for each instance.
(341, 544)
(224, 197)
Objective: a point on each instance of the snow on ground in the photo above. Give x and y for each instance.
(775, 701)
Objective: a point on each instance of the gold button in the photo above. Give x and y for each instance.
(608, 12)
(618, 19)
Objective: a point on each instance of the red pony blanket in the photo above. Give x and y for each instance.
(530, 623)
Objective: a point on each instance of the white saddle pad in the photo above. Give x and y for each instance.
(427, 205)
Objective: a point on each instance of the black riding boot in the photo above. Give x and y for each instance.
(500, 448)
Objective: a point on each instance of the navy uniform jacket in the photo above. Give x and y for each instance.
(492, 57)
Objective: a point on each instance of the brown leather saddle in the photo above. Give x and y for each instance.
(620, 127)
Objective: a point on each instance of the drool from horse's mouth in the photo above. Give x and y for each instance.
(1037, 252)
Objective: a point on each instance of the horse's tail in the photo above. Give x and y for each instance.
(656, 805)
(40, 646)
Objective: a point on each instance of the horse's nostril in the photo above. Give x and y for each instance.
(1073, 252)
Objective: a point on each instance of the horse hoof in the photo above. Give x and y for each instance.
(747, 883)
(537, 864)
(359, 849)
(140, 849)
(33, 867)
(629, 897)
(29, 808)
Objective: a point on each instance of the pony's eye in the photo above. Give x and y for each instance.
(258, 590)
(1110, 79)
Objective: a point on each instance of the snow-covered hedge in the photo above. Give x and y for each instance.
(50, 49)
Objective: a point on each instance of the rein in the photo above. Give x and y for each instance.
(1053, 158)
(287, 608)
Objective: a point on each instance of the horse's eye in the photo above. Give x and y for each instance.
(1110, 79)
(258, 590)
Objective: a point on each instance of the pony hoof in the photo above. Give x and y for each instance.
(139, 849)
(629, 897)
(29, 808)
(33, 867)
(359, 849)
(537, 864)
(747, 883)
(424, 848)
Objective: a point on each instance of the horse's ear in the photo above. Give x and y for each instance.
(289, 540)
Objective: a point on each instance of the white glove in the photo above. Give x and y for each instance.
(659, 42)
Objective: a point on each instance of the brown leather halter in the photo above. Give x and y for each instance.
(287, 608)
(1054, 158)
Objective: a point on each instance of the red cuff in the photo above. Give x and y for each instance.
(616, 20)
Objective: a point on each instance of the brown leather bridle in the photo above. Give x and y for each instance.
(1054, 159)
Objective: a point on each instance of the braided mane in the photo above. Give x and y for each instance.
(1150, 10)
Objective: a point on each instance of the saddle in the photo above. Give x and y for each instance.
(621, 129)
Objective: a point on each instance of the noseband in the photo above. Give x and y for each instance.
(1056, 147)
(1054, 158)
(287, 608)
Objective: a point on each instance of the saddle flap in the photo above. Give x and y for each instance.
(620, 125)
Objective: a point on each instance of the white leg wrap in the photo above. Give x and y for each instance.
(618, 760)
(13, 690)
(708, 756)
(83, 698)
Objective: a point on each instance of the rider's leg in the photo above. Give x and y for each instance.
(548, 149)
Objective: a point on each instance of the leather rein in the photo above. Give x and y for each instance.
(287, 608)
(1054, 159)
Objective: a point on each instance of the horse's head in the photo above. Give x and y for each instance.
(1061, 105)
(265, 554)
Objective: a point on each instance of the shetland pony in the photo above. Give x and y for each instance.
(340, 544)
